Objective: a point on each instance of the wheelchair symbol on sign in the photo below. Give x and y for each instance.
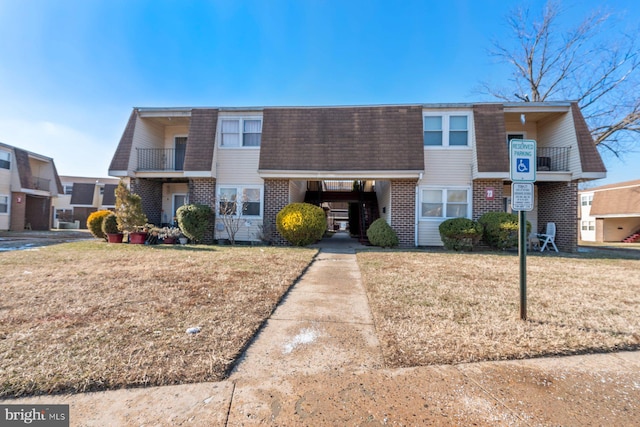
(523, 165)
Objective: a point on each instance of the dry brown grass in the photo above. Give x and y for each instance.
(438, 307)
(89, 316)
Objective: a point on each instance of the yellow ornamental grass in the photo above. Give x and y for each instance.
(301, 224)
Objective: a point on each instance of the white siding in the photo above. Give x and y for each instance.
(428, 233)
(249, 230)
(170, 132)
(147, 135)
(530, 129)
(297, 190)
(447, 167)
(168, 190)
(383, 193)
(559, 131)
(237, 166)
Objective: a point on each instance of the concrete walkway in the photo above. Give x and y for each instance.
(318, 362)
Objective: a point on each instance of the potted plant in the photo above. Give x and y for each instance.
(130, 215)
(110, 229)
(169, 234)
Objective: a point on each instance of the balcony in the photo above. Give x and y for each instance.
(160, 159)
(42, 184)
(553, 159)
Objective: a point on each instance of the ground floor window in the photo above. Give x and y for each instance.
(240, 200)
(4, 204)
(588, 225)
(450, 202)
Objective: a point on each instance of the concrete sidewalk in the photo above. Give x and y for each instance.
(318, 362)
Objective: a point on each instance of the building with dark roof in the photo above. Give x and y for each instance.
(80, 197)
(610, 213)
(28, 182)
(414, 165)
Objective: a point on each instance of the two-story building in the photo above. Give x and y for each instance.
(610, 213)
(414, 165)
(28, 182)
(81, 196)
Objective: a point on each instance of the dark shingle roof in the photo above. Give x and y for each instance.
(82, 193)
(589, 156)
(202, 133)
(120, 160)
(349, 138)
(24, 168)
(109, 196)
(491, 146)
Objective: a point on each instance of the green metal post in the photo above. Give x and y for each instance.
(522, 252)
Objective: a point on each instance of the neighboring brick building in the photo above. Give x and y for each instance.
(414, 165)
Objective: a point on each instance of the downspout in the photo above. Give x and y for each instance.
(417, 212)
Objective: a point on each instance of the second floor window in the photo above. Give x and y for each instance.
(243, 132)
(446, 130)
(5, 160)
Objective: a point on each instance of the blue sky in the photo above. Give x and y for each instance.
(70, 71)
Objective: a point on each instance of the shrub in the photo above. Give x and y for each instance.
(94, 223)
(301, 223)
(460, 234)
(110, 224)
(129, 211)
(501, 229)
(381, 234)
(193, 220)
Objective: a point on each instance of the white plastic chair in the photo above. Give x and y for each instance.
(548, 237)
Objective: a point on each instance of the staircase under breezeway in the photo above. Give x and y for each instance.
(633, 238)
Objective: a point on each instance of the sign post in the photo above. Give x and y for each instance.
(522, 169)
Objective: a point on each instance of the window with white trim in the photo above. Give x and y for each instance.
(586, 200)
(68, 189)
(446, 129)
(4, 204)
(444, 203)
(240, 200)
(240, 132)
(5, 159)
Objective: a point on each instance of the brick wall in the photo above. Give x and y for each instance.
(202, 191)
(481, 204)
(151, 194)
(18, 211)
(558, 202)
(403, 210)
(276, 197)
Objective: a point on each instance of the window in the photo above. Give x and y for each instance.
(68, 189)
(446, 130)
(586, 200)
(64, 215)
(444, 203)
(245, 132)
(5, 160)
(249, 204)
(4, 204)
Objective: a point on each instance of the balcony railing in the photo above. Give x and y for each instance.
(160, 159)
(553, 159)
(40, 183)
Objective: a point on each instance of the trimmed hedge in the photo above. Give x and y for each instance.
(381, 234)
(94, 223)
(193, 220)
(110, 224)
(301, 224)
(501, 229)
(460, 234)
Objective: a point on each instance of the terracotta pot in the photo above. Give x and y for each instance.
(114, 237)
(137, 238)
(169, 240)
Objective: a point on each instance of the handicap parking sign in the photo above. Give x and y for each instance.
(522, 165)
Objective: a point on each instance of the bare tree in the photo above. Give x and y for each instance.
(596, 64)
(230, 212)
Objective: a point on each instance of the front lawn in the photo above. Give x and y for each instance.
(90, 316)
(441, 307)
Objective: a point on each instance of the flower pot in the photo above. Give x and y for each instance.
(114, 237)
(169, 240)
(137, 238)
